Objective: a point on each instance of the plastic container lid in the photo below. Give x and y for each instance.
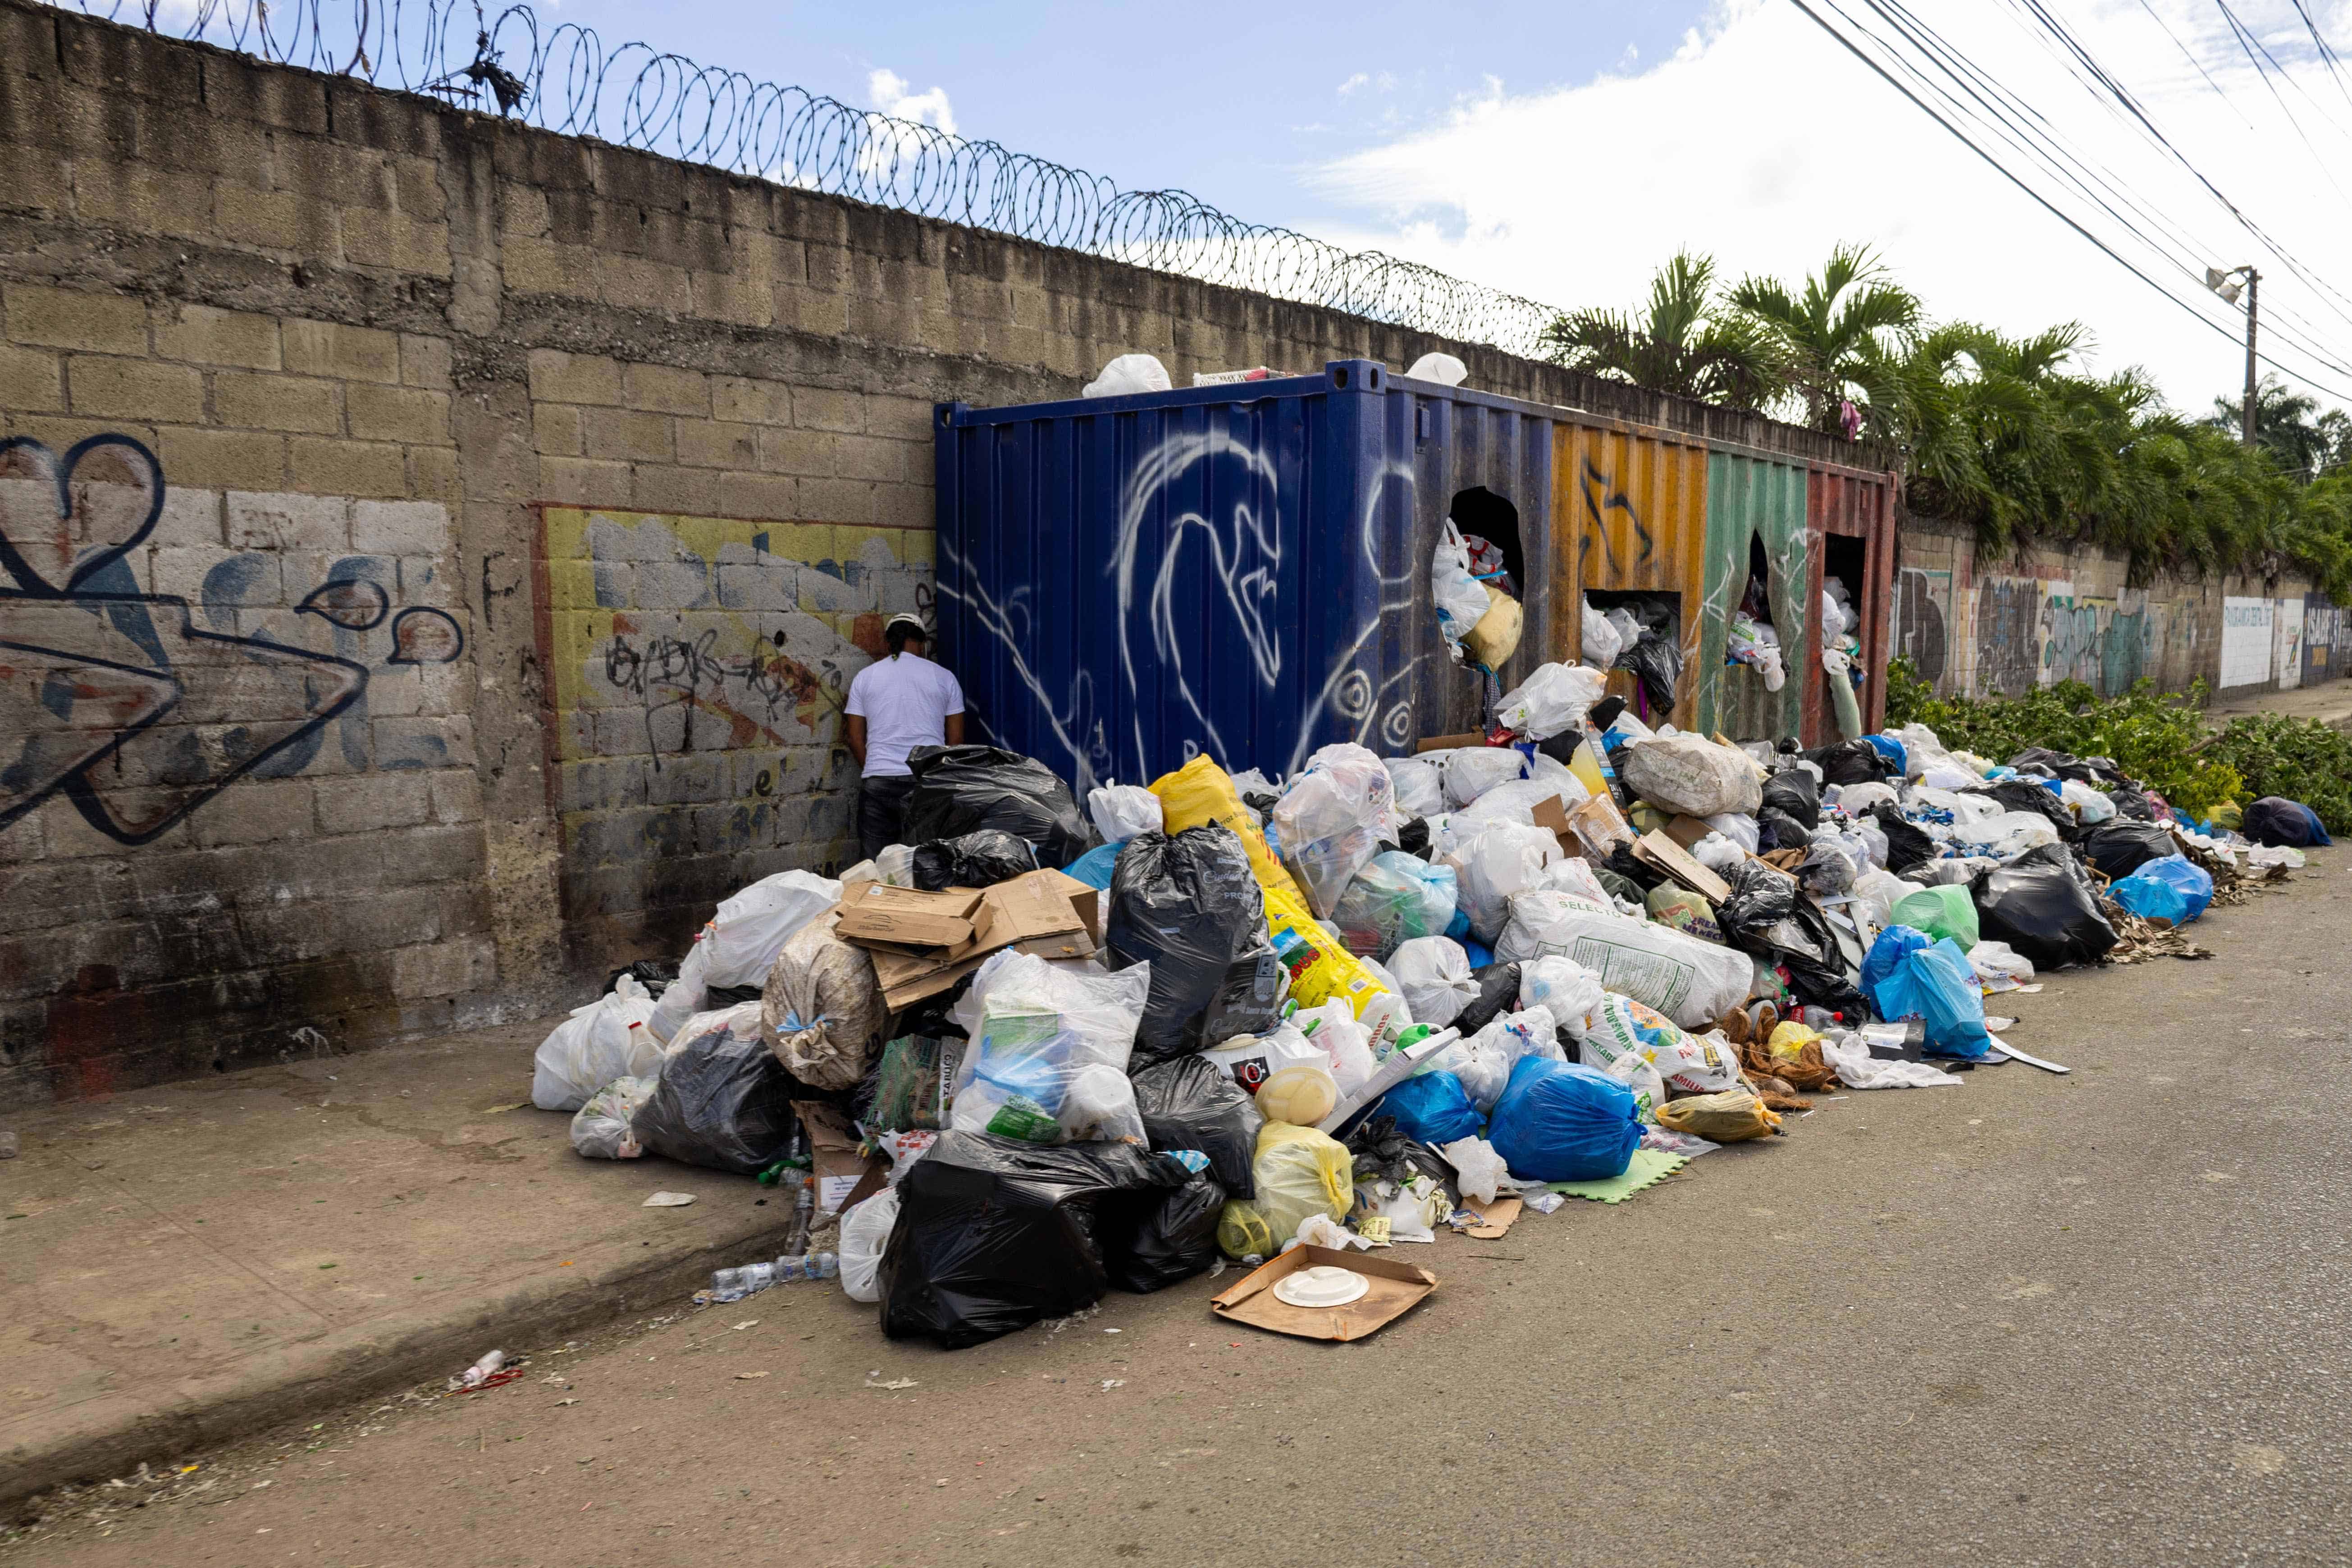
(1321, 1286)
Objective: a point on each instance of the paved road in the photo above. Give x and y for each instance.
(2094, 1320)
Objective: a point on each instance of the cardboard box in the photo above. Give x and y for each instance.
(905, 918)
(1397, 1289)
(1598, 825)
(844, 1176)
(1654, 849)
(1033, 914)
(1552, 817)
(1450, 742)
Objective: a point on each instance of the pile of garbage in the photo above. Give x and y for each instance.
(1045, 1051)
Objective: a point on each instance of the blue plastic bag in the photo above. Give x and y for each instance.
(1094, 866)
(1907, 976)
(1561, 1121)
(2151, 897)
(2196, 883)
(1478, 952)
(1890, 748)
(1431, 1108)
(2318, 828)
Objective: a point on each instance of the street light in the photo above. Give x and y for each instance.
(2226, 285)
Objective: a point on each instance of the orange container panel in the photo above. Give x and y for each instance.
(1629, 513)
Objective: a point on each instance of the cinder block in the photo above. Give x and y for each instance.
(224, 458)
(708, 444)
(444, 968)
(201, 335)
(408, 527)
(673, 585)
(635, 283)
(618, 433)
(665, 390)
(557, 428)
(759, 495)
(258, 811)
(134, 389)
(271, 402)
(837, 501)
(871, 457)
(559, 377)
(281, 519)
(433, 473)
(743, 401)
(374, 238)
(330, 466)
(659, 487)
(274, 220)
(808, 453)
(542, 267)
(820, 408)
(456, 795)
(583, 481)
(30, 380)
(374, 802)
(398, 414)
(424, 362)
(330, 348)
(770, 585)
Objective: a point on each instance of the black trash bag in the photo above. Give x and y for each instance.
(2132, 804)
(2276, 820)
(1498, 991)
(1378, 1149)
(1412, 839)
(717, 996)
(1776, 829)
(1795, 791)
(1624, 863)
(979, 859)
(1188, 904)
(1190, 1103)
(963, 789)
(652, 973)
(2023, 795)
(2115, 847)
(993, 1235)
(1164, 1240)
(723, 1102)
(1850, 762)
(1770, 917)
(2041, 904)
(1907, 844)
(2061, 764)
(1656, 662)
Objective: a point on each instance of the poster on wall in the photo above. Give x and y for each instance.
(2286, 643)
(2246, 642)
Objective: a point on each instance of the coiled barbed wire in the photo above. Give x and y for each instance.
(567, 81)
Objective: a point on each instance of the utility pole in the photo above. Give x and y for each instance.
(2253, 289)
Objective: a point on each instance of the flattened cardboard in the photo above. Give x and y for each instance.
(1086, 900)
(905, 918)
(1397, 1289)
(1552, 816)
(1497, 1217)
(1654, 849)
(1687, 830)
(1030, 913)
(1448, 742)
(844, 1176)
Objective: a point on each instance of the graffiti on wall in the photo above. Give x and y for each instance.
(2009, 635)
(700, 663)
(1922, 606)
(2092, 640)
(139, 705)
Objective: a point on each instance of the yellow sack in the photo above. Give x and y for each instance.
(1242, 1231)
(1726, 1118)
(1789, 1039)
(1299, 1171)
(1201, 792)
(1319, 967)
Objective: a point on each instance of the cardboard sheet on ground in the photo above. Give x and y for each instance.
(1647, 1169)
(1497, 1217)
(1397, 1289)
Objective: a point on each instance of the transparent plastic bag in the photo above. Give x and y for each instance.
(1602, 644)
(601, 1131)
(1420, 792)
(1484, 1060)
(1434, 974)
(1562, 987)
(1120, 812)
(1504, 859)
(1550, 700)
(1396, 897)
(822, 1008)
(683, 997)
(1048, 1064)
(1480, 1172)
(1346, 1044)
(1470, 772)
(750, 928)
(1460, 599)
(608, 1038)
(1330, 821)
(865, 1237)
(1692, 774)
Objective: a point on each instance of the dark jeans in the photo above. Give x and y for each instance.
(882, 811)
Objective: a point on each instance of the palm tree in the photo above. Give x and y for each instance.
(1682, 342)
(1844, 336)
(2285, 427)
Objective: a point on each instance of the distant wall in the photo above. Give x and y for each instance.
(1976, 625)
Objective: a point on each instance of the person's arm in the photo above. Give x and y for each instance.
(952, 725)
(853, 729)
(955, 728)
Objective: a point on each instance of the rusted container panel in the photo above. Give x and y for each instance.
(1846, 504)
(1756, 498)
(1629, 513)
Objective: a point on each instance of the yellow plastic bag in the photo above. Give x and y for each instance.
(1242, 1231)
(1788, 1040)
(1299, 1171)
(1730, 1116)
(1321, 968)
(1201, 792)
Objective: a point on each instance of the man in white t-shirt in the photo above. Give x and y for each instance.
(896, 704)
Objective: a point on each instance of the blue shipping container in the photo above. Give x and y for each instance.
(1240, 569)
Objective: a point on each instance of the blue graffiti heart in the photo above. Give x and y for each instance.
(25, 450)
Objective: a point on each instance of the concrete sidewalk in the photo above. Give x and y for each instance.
(185, 1263)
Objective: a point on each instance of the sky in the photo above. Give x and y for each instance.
(1563, 150)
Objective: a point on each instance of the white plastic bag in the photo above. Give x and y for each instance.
(601, 1128)
(1857, 1068)
(2006, 834)
(1331, 822)
(1504, 859)
(1716, 853)
(1434, 974)
(1550, 700)
(1048, 1064)
(683, 997)
(1484, 1060)
(1692, 774)
(1740, 826)
(1419, 792)
(749, 929)
(2089, 805)
(1471, 771)
(1878, 892)
(2000, 967)
(1601, 643)
(1694, 983)
(1446, 370)
(865, 1237)
(606, 1040)
(1346, 1044)
(1478, 1170)
(1514, 800)
(1460, 599)
(1120, 811)
(1697, 1064)
(1573, 875)
(1628, 630)
(1251, 1059)
(1854, 799)
(1562, 987)
(1127, 376)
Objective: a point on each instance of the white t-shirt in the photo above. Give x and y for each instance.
(906, 701)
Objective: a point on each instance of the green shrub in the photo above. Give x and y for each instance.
(2301, 758)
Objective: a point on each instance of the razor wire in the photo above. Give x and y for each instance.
(566, 80)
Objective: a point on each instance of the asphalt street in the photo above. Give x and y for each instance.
(2031, 1319)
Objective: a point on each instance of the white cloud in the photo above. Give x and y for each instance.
(1764, 143)
(1353, 82)
(895, 94)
